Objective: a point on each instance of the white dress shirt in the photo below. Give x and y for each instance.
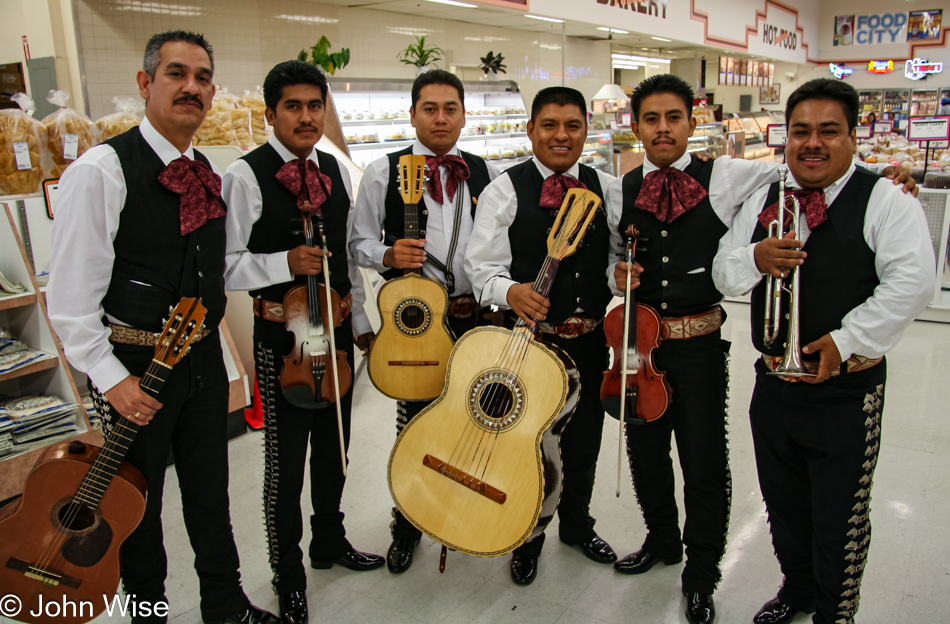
(488, 261)
(248, 271)
(92, 194)
(364, 238)
(895, 230)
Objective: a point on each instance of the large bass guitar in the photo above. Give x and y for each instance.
(409, 358)
(479, 470)
(61, 539)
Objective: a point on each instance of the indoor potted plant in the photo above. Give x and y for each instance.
(319, 54)
(492, 65)
(420, 55)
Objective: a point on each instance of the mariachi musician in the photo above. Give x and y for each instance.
(504, 257)
(438, 115)
(267, 256)
(867, 270)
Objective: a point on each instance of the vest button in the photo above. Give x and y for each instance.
(422, 232)
(666, 258)
(578, 300)
(664, 233)
(663, 305)
(200, 274)
(577, 275)
(664, 283)
(197, 247)
(425, 212)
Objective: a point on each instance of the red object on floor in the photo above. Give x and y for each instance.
(254, 415)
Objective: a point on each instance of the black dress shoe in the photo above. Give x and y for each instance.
(596, 549)
(641, 561)
(399, 557)
(352, 559)
(293, 608)
(250, 615)
(700, 608)
(524, 569)
(774, 612)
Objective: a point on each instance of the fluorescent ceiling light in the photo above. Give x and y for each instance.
(545, 19)
(454, 3)
(661, 39)
(614, 30)
(637, 59)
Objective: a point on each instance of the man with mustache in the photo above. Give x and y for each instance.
(455, 180)
(867, 270)
(267, 256)
(505, 255)
(140, 224)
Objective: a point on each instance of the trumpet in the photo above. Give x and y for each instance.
(792, 365)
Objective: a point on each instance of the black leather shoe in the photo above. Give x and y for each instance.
(352, 559)
(700, 608)
(399, 557)
(524, 569)
(251, 615)
(774, 612)
(641, 561)
(596, 549)
(293, 608)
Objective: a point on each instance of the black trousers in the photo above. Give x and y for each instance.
(289, 430)
(816, 447)
(193, 424)
(697, 371)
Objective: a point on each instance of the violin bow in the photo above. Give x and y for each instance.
(631, 234)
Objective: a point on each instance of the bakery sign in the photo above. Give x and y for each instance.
(918, 68)
(773, 35)
(880, 67)
(656, 8)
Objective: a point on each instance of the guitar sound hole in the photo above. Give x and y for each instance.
(412, 317)
(76, 517)
(496, 400)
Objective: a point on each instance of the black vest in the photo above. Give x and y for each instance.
(670, 253)
(280, 227)
(581, 280)
(155, 266)
(396, 208)
(838, 274)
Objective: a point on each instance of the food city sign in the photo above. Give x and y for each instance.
(839, 71)
(773, 35)
(880, 28)
(880, 67)
(918, 68)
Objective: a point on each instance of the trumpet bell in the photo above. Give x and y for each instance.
(792, 366)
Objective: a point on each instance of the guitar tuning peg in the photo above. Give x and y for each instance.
(170, 310)
(188, 350)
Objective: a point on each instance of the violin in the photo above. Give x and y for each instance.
(633, 390)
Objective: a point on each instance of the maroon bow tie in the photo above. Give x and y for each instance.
(554, 189)
(669, 193)
(304, 179)
(199, 189)
(812, 202)
(457, 171)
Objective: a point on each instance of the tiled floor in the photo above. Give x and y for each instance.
(906, 580)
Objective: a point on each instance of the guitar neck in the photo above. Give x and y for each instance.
(543, 284)
(411, 229)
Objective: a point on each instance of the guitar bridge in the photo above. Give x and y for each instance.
(45, 577)
(476, 485)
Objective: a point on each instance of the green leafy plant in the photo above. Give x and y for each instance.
(419, 54)
(493, 63)
(321, 56)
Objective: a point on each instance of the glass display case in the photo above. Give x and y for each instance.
(896, 104)
(708, 137)
(924, 102)
(870, 103)
(599, 152)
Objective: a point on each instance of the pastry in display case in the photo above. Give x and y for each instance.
(924, 102)
(896, 104)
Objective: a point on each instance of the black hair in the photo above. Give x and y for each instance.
(437, 77)
(153, 57)
(288, 74)
(826, 89)
(562, 96)
(662, 83)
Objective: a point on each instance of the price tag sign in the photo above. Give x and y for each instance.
(928, 129)
(71, 146)
(883, 127)
(613, 124)
(776, 135)
(50, 192)
(21, 151)
(938, 144)
(862, 132)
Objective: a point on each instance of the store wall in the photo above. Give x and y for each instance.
(728, 97)
(251, 36)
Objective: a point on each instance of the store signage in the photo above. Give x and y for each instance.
(880, 67)
(862, 132)
(918, 68)
(772, 35)
(776, 135)
(924, 25)
(839, 71)
(649, 7)
(883, 127)
(880, 28)
(928, 129)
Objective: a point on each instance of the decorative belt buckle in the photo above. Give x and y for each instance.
(572, 327)
(462, 307)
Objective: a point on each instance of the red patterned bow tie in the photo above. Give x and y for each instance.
(669, 193)
(812, 202)
(457, 170)
(304, 179)
(198, 188)
(554, 188)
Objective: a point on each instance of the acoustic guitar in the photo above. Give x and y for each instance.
(409, 358)
(479, 470)
(61, 539)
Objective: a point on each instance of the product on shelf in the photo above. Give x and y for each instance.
(939, 180)
(8, 288)
(254, 100)
(218, 128)
(70, 133)
(14, 354)
(18, 126)
(36, 421)
(128, 114)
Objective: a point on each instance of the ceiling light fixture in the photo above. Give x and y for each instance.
(661, 39)
(613, 30)
(464, 5)
(545, 19)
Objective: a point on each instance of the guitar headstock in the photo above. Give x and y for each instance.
(412, 175)
(577, 211)
(183, 325)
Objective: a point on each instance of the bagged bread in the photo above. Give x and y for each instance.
(217, 128)
(23, 135)
(260, 130)
(128, 114)
(241, 120)
(70, 133)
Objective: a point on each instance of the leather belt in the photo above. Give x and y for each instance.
(272, 311)
(462, 307)
(853, 364)
(141, 338)
(692, 325)
(572, 327)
